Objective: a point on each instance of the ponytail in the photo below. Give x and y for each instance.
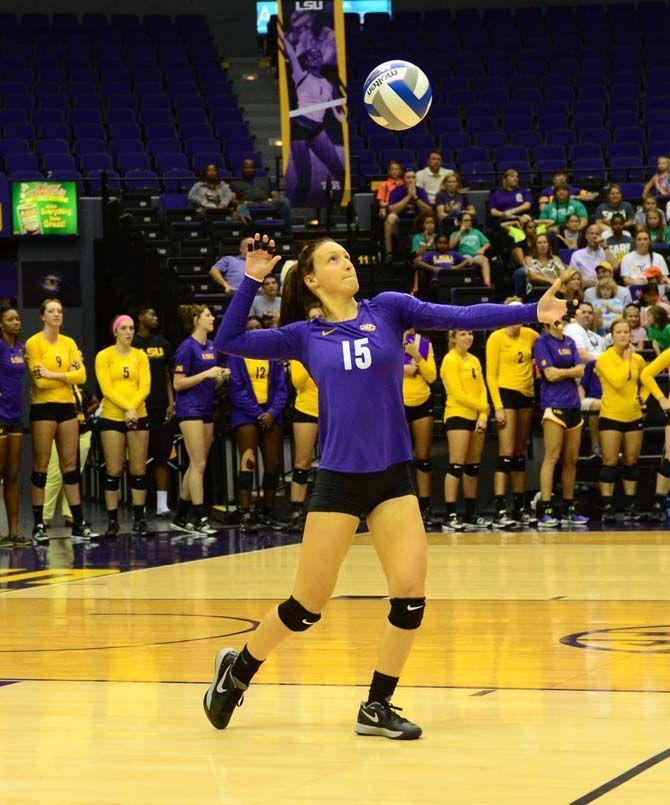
(296, 299)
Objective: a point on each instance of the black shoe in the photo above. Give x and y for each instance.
(20, 542)
(657, 513)
(430, 520)
(203, 527)
(608, 514)
(40, 533)
(381, 718)
(503, 520)
(297, 522)
(248, 521)
(225, 693)
(112, 529)
(631, 515)
(267, 519)
(525, 518)
(180, 524)
(84, 533)
(140, 527)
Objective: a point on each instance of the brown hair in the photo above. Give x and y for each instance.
(420, 219)
(459, 182)
(533, 248)
(659, 316)
(296, 299)
(188, 314)
(49, 299)
(621, 320)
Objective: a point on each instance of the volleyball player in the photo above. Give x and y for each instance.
(465, 418)
(658, 365)
(196, 375)
(620, 423)
(258, 395)
(509, 377)
(55, 365)
(364, 467)
(12, 369)
(559, 365)
(419, 372)
(124, 378)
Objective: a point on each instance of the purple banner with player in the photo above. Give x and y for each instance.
(312, 90)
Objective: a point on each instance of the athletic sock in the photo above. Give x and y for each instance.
(382, 687)
(629, 500)
(183, 507)
(451, 508)
(518, 498)
(424, 504)
(161, 501)
(198, 512)
(297, 507)
(660, 499)
(77, 516)
(138, 513)
(499, 502)
(113, 515)
(38, 514)
(470, 508)
(245, 666)
(567, 504)
(542, 506)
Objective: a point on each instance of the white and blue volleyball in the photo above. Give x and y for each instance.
(397, 95)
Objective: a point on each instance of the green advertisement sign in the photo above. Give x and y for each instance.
(44, 208)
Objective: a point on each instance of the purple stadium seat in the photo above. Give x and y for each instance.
(25, 176)
(124, 131)
(475, 124)
(204, 158)
(631, 151)
(78, 116)
(57, 162)
(552, 122)
(121, 115)
(510, 153)
(546, 167)
(554, 152)
(517, 122)
(626, 169)
(477, 171)
(19, 131)
(19, 162)
(600, 136)
(586, 151)
(629, 134)
(13, 146)
(189, 131)
(94, 180)
(565, 137)
(65, 175)
(454, 141)
(199, 144)
(491, 139)
(526, 138)
(132, 161)
(8, 116)
(164, 145)
(155, 116)
(130, 146)
(588, 168)
(171, 161)
(95, 162)
(160, 131)
(136, 180)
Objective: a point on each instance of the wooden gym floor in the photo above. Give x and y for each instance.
(542, 675)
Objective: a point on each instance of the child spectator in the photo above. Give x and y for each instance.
(638, 334)
(472, 243)
(649, 203)
(660, 181)
(655, 226)
(620, 242)
(393, 180)
(651, 297)
(658, 330)
(571, 235)
(424, 238)
(607, 302)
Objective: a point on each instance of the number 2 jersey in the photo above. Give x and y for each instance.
(60, 356)
(124, 380)
(357, 366)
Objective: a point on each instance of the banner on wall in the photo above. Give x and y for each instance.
(313, 101)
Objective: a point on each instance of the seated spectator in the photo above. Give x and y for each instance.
(571, 234)
(590, 345)
(228, 272)
(556, 212)
(659, 184)
(651, 298)
(441, 258)
(655, 226)
(431, 177)
(614, 203)
(393, 180)
(543, 266)
(524, 239)
(509, 204)
(658, 330)
(649, 203)
(638, 334)
(210, 192)
(252, 189)
(605, 270)
(267, 303)
(585, 260)
(607, 302)
(572, 285)
(472, 243)
(406, 201)
(620, 242)
(641, 265)
(424, 238)
(560, 176)
(452, 200)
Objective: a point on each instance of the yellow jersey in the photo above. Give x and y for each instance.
(620, 378)
(464, 384)
(259, 374)
(60, 356)
(307, 397)
(658, 365)
(416, 389)
(124, 380)
(509, 363)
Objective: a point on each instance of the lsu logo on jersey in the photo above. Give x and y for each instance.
(153, 353)
(208, 356)
(179, 369)
(368, 328)
(564, 352)
(16, 359)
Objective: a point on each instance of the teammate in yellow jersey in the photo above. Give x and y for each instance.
(620, 422)
(124, 378)
(55, 365)
(419, 373)
(509, 377)
(465, 419)
(658, 365)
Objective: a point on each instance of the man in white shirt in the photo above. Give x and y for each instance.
(589, 344)
(430, 178)
(602, 271)
(585, 260)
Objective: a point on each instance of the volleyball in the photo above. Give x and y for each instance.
(397, 95)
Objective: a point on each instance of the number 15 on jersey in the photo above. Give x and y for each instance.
(362, 356)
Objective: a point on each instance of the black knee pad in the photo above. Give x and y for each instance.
(270, 481)
(503, 464)
(71, 477)
(608, 475)
(407, 613)
(245, 480)
(664, 469)
(300, 476)
(456, 470)
(424, 464)
(519, 464)
(471, 470)
(138, 482)
(295, 617)
(630, 473)
(112, 483)
(38, 479)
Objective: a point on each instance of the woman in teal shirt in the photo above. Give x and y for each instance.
(471, 242)
(557, 212)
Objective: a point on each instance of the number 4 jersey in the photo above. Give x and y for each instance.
(357, 366)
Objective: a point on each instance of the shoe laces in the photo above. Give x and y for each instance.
(393, 710)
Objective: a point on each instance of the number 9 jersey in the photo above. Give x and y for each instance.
(60, 356)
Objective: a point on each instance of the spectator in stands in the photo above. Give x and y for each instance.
(510, 204)
(441, 258)
(649, 203)
(267, 303)
(620, 242)
(638, 334)
(405, 202)
(655, 226)
(607, 302)
(650, 298)
(393, 180)
(544, 267)
(559, 177)
(452, 200)
(423, 239)
(660, 181)
(585, 260)
(590, 345)
(252, 189)
(431, 177)
(228, 272)
(472, 243)
(556, 212)
(571, 235)
(210, 192)
(524, 240)
(606, 271)
(658, 330)
(643, 264)
(572, 285)
(614, 203)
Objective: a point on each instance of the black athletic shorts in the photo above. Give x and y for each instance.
(358, 493)
(206, 420)
(459, 423)
(414, 412)
(623, 427)
(568, 418)
(515, 400)
(10, 428)
(161, 435)
(120, 425)
(301, 416)
(52, 412)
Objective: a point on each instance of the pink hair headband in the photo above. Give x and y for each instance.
(119, 320)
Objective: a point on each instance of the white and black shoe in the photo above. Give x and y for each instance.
(225, 693)
(381, 718)
(478, 523)
(503, 520)
(40, 534)
(453, 523)
(202, 526)
(84, 533)
(526, 518)
(180, 524)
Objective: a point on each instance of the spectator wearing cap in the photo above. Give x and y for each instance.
(405, 202)
(614, 203)
(556, 212)
(620, 242)
(393, 179)
(585, 260)
(641, 265)
(431, 177)
(510, 204)
(605, 270)
(559, 177)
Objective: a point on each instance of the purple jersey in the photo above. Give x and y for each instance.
(358, 366)
(12, 368)
(504, 200)
(561, 353)
(443, 260)
(190, 359)
(412, 208)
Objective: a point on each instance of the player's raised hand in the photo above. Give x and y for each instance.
(550, 309)
(261, 258)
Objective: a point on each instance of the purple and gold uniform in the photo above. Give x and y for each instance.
(351, 360)
(560, 353)
(192, 358)
(256, 387)
(12, 369)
